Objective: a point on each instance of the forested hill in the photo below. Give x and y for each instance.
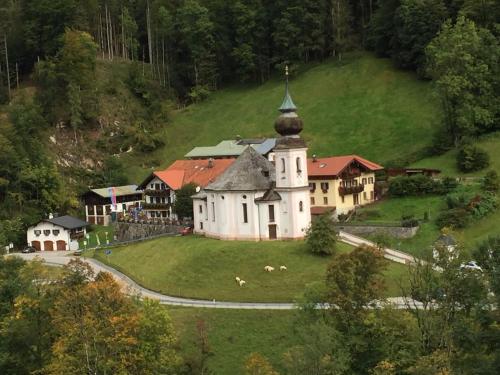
(81, 81)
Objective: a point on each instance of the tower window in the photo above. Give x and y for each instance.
(245, 213)
(313, 202)
(301, 206)
(213, 211)
(325, 200)
(299, 169)
(282, 165)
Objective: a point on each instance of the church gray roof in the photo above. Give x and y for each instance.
(251, 171)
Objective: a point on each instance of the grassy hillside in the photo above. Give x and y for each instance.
(204, 268)
(447, 162)
(234, 334)
(362, 105)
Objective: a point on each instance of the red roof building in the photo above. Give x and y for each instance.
(341, 183)
(160, 186)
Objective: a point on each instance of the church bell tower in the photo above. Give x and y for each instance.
(291, 169)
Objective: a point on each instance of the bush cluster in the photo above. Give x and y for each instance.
(420, 185)
(465, 207)
(472, 158)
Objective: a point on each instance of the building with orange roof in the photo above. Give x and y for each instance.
(341, 183)
(160, 186)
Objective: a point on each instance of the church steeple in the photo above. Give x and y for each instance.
(288, 123)
(288, 104)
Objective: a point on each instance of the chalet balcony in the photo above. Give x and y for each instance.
(156, 206)
(344, 190)
(157, 193)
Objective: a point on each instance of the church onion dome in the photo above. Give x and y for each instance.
(288, 123)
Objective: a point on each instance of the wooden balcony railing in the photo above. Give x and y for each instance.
(343, 190)
(157, 193)
(156, 206)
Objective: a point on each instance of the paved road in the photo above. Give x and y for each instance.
(391, 254)
(132, 288)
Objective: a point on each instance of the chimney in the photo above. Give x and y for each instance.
(314, 158)
(210, 163)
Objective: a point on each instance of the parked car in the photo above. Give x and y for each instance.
(472, 265)
(29, 249)
(186, 231)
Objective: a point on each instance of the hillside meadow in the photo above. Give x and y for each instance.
(361, 105)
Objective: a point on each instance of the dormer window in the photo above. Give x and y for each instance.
(46, 232)
(38, 232)
(55, 232)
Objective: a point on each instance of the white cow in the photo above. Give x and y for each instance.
(268, 268)
(283, 268)
(242, 282)
(237, 279)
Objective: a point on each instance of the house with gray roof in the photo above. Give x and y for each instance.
(233, 148)
(57, 233)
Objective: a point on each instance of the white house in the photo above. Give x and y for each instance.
(57, 233)
(254, 199)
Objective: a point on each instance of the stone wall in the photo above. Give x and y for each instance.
(360, 230)
(137, 231)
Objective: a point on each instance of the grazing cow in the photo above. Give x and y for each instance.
(283, 268)
(237, 279)
(268, 268)
(242, 282)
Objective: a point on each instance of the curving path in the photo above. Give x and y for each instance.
(132, 288)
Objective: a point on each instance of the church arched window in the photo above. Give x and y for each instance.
(282, 165)
(301, 206)
(297, 162)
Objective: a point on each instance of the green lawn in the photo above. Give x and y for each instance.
(234, 334)
(447, 162)
(392, 209)
(204, 268)
(420, 245)
(362, 105)
(98, 231)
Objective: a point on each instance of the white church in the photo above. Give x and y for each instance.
(255, 199)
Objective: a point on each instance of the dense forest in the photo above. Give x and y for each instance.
(179, 51)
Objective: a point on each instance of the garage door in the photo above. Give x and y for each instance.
(61, 245)
(36, 245)
(48, 245)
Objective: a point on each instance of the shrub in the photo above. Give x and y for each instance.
(453, 218)
(483, 205)
(321, 236)
(419, 185)
(491, 182)
(410, 223)
(472, 158)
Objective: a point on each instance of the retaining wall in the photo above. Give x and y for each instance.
(137, 231)
(398, 232)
